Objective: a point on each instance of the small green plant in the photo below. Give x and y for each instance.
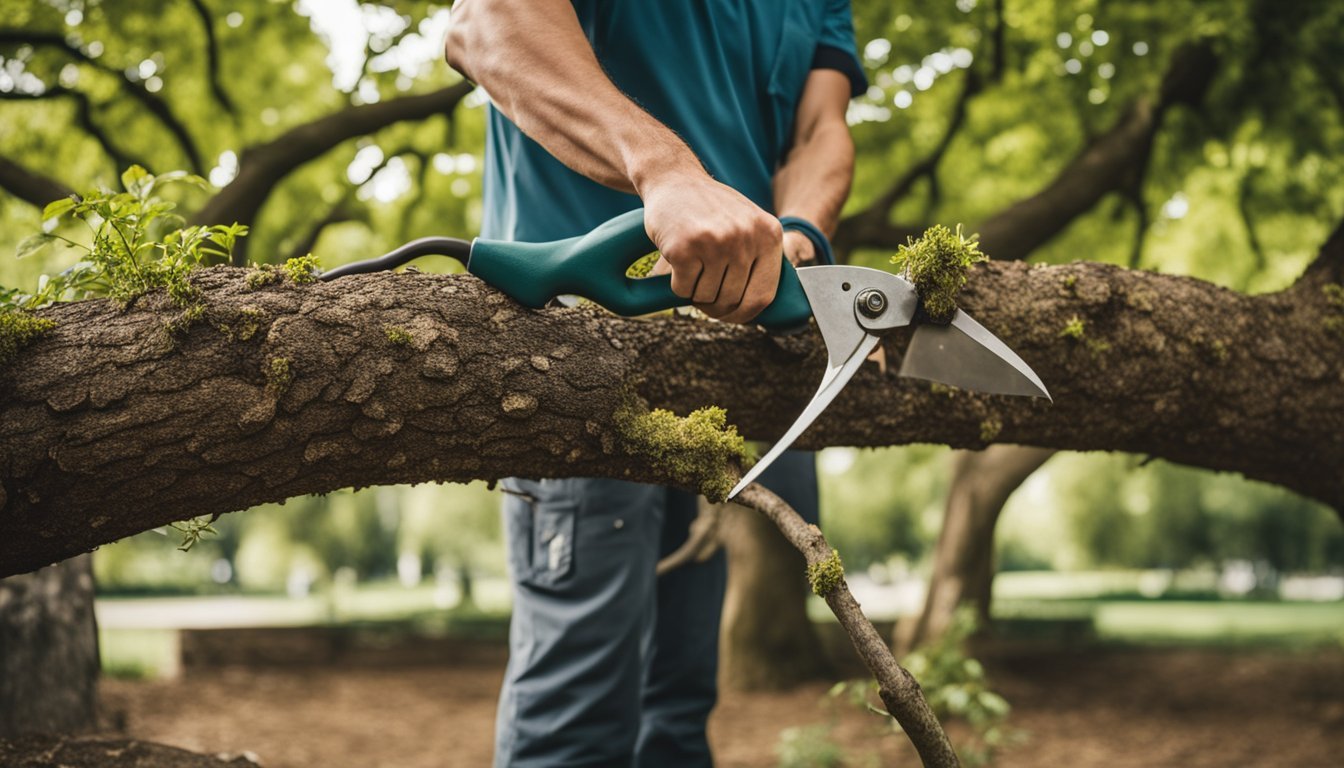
(936, 263)
(193, 530)
(136, 245)
(302, 269)
(1074, 329)
(956, 687)
(809, 746)
(262, 275)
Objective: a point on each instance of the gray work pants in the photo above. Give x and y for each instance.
(609, 665)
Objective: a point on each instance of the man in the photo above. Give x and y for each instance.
(720, 118)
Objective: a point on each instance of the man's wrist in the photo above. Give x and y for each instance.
(799, 249)
(665, 163)
(820, 244)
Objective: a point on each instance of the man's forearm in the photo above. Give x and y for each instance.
(540, 71)
(815, 178)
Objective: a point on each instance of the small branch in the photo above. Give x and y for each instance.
(29, 185)
(1244, 191)
(897, 687)
(84, 116)
(151, 102)
(875, 216)
(212, 56)
(700, 544)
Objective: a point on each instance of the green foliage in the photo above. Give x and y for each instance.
(302, 269)
(808, 746)
(826, 575)
(956, 688)
(194, 530)
(701, 450)
(133, 247)
(398, 335)
(260, 275)
(936, 263)
(18, 329)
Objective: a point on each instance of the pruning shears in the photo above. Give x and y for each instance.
(855, 307)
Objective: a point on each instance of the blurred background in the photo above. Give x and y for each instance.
(1196, 137)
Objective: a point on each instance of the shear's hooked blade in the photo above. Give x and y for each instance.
(964, 354)
(832, 292)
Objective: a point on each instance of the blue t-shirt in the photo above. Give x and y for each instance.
(725, 75)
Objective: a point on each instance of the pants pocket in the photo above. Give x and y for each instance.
(553, 542)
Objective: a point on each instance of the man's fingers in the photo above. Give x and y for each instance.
(684, 279)
(760, 288)
(731, 290)
(707, 288)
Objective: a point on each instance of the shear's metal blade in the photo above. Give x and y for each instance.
(835, 379)
(831, 291)
(964, 354)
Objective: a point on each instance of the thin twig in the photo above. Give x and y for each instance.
(897, 687)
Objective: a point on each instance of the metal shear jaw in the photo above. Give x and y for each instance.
(854, 307)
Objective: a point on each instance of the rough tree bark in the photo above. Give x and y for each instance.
(48, 650)
(963, 567)
(109, 427)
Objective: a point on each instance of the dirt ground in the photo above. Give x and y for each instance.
(1112, 708)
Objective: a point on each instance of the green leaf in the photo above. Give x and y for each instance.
(30, 245)
(137, 181)
(56, 208)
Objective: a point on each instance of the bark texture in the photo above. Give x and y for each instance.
(48, 651)
(110, 426)
(963, 564)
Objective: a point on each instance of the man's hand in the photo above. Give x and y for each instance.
(723, 251)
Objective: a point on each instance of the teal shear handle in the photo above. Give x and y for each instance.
(594, 266)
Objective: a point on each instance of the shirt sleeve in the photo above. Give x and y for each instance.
(836, 48)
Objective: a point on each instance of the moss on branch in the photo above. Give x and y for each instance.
(701, 450)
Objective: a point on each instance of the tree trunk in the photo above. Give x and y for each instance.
(48, 650)
(110, 426)
(963, 564)
(768, 642)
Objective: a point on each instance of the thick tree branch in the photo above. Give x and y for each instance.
(262, 167)
(108, 428)
(1109, 163)
(873, 222)
(212, 56)
(84, 117)
(152, 103)
(29, 185)
(899, 690)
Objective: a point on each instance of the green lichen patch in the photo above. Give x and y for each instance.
(936, 263)
(826, 575)
(398, 335)
(990, 428)
(701, 450)
(180, 323)
(279, 375)
(302, 269)
(261, 275)
(1070, 282)
(1334, 299)
(18, 329)
(1074, 329)
(244, 325)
